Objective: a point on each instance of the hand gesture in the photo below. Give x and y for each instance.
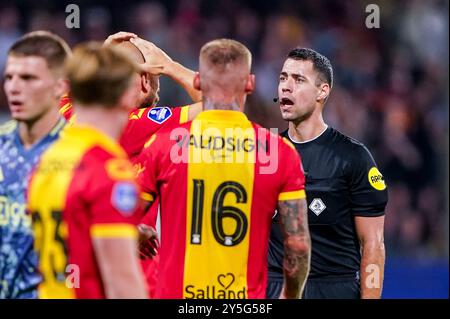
(119, 37)
(148, 241)
(157, 62)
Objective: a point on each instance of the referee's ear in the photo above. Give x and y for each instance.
(323, 93)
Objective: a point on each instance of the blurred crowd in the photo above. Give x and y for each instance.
(391, 83)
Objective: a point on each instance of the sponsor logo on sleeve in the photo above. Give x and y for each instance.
(159, 114)
(376, 179)
(124, 198)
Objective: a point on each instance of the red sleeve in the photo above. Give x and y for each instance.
(293, 184)
(147, 175)
(143, 123)
(113, 196)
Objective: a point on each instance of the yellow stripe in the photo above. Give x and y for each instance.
(288, 143)
(90, 136)
(73, 119)
(8, 127)
(64, 109)
(60, 124)
(147, 197)
(292, 195)
(229, 175)
(184, 115)
(113, 231)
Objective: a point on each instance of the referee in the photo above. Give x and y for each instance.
(346, 193)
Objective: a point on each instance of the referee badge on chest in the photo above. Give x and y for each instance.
(317, 206)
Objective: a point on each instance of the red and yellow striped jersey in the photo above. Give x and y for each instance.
(142, 123)
(219, 179)
(65, 108)
(82, 188)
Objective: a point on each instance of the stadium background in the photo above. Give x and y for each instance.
(391, 91)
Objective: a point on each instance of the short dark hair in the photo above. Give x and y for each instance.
(42, 44)
(320, 63)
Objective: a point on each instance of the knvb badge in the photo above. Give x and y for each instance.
(159, 114)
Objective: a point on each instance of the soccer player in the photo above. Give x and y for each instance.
(82, 195)
(220, 178)
(345, 190)
(33, 83)
(147, 118)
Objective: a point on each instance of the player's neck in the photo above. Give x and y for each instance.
(109, 122)
(32, 132)
(221, 103)
(308, 129)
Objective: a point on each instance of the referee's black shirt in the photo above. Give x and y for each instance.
(342, 181)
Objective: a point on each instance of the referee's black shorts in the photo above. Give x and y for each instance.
(342, 287)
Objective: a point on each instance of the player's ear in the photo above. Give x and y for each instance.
(324, 92)
(145, 83)
(250, 84)
(62, 87)
(196, 83)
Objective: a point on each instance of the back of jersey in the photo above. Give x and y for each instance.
(83, 188)
(218, 194)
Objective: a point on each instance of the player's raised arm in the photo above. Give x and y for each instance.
(157, 62)
(297, 246)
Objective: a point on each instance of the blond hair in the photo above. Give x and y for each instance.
(99, 74)
(221, 53)
(224, 67)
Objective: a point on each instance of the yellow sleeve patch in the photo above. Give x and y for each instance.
(376, 179)
(184, 115)
(114, 231)
(292, 195)
(119, 169)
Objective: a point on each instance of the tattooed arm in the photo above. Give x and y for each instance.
(297, 246)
